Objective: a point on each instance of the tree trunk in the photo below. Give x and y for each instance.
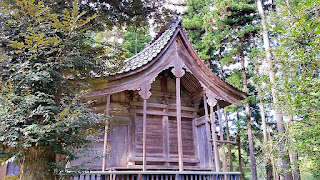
(277, 108)
(36, 164)
(274, 168)
(294, 157)
(239, 154)
(248, 121)
(294, 160)
(267, 160)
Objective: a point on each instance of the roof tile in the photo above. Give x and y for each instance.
(150, 52)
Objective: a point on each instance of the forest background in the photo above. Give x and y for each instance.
(269, 49)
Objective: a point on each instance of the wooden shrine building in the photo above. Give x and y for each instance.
(165, 105)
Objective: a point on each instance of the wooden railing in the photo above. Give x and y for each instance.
(158, 175)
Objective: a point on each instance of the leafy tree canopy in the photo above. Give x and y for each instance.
(48, 62)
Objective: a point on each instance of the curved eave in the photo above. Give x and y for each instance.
(128, 75)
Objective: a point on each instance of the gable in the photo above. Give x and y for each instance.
(170, 49)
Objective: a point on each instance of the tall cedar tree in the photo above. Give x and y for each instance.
(267, 51)
(238, 18)
(199, 32)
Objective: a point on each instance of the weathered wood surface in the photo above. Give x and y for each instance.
(145, 94)
(163, 122)
(88, 158)
(156, 134)
(117, 148)
(163, 159)
(165, 138)
(158, 175)
(162, 113)
(178, 101)
(201, 121)
(205, 148)
(164, 106)
(226, 142)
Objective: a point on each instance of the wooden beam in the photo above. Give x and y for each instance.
(214, 140)
(201, 121)
(197, 95)
(164, 159)
(178, 103)
(226, 142)
(195, 171)
(223, 151)
(171, 114)
(163, 106)
(161, 167)
(105, 141)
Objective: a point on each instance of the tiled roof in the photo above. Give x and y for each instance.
(151, 51)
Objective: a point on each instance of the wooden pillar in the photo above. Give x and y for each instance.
(144, 135)
(105, 141)
(207, 126)
(179, 72)
(223, 153)
(145, 94)
(214, 140)
(178, 103)
(212, 101)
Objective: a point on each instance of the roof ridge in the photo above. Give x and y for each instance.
(151, 50)
(160, 32)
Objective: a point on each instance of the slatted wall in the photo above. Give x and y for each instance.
(154, 135)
